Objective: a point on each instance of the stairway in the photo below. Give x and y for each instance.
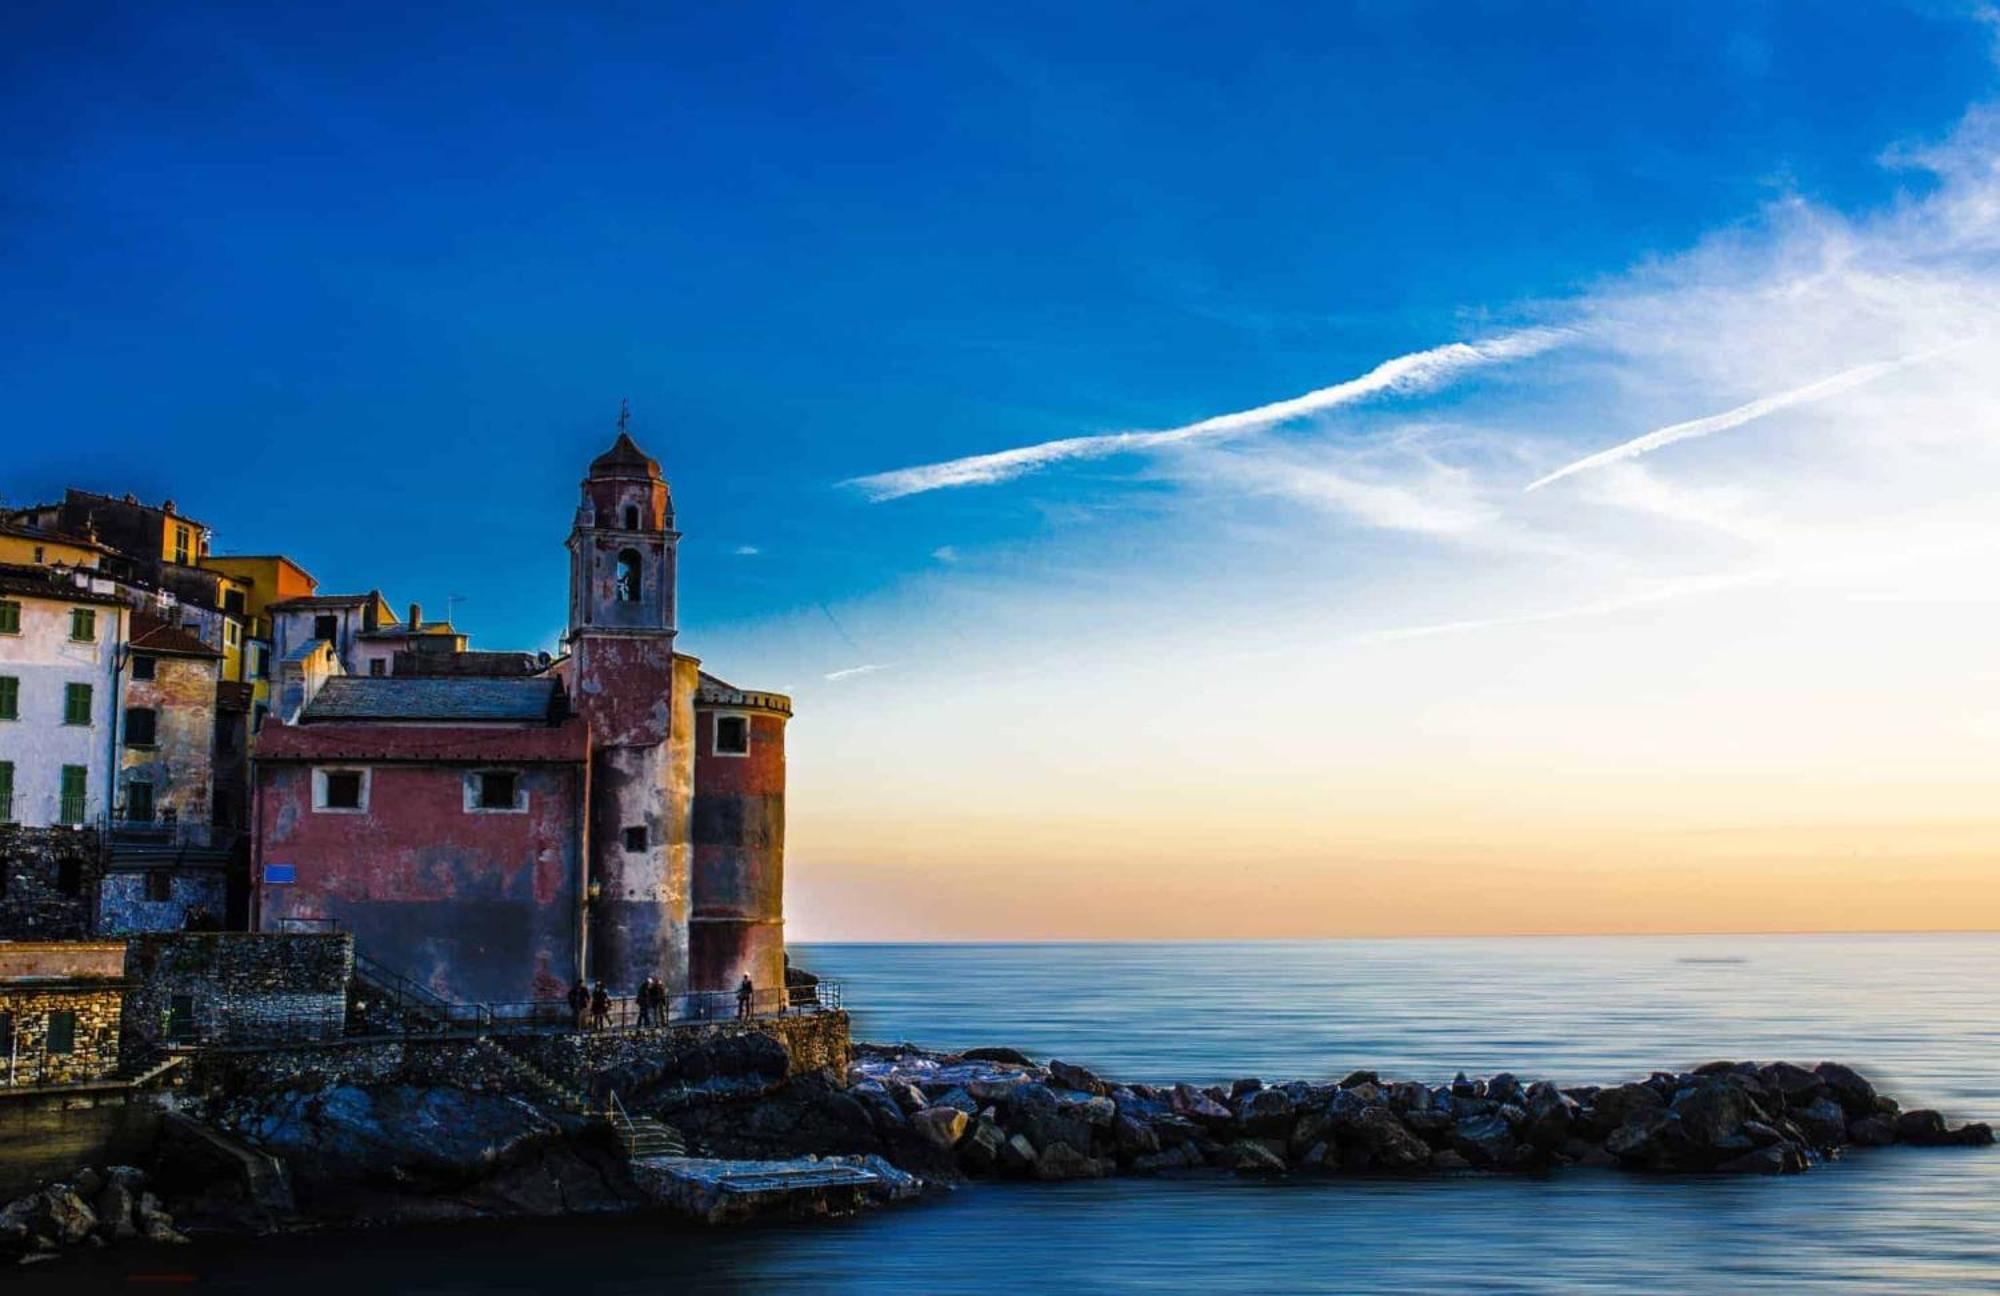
(643, 1136)
(418, 1007)
(556, 1092)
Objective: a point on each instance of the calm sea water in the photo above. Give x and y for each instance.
(1919, 1014)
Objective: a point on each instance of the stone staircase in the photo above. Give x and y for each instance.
(555, 1091)
(643, 1136)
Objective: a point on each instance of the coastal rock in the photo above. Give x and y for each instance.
(1198, 1106)
(1796, 1085)
(1034, 1110)
(1712, 1112)
(1183, 1157)
(1266, 1113)
(1822, 1121)
(941, 1127)
(1778, 1158)
(1355, 1078)
(1017, 1155)
(1871, 1131)
(1010, 1056)
(1484, 1140)
(114, 1208)
(1096, 1112)
(1064, 1075)
(1550, 1115)
(1252, 1157)
(1614, 1107)
(1389, 1144)
(983, 1147)
(1849, 1089)
(1061, 1161)
(1133, 1138)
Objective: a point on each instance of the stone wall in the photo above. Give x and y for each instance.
(93, 1054)
(48, 882)
(460, 1063)
(238, 986)
(125, 903)
(810, 1042)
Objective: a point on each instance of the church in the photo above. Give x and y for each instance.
(494, 826)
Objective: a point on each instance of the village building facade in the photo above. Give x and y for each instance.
(495, 826)
(60, 645)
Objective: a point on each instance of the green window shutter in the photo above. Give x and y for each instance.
(74, 778)
(10, 617)
(76, 704)
(83, 624)
(6, 791)
(10, 697)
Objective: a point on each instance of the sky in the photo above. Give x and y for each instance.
(1275, 471)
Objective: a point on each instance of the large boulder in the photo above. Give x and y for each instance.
(1065, 1076)
(1061, 1161)
(1848, 1088)
(1823, 1122)
(1550, 1113)
(983, 1147)
(941, 1127)
(1486, 1140)
(1616, 1106)
(1871, 1131)
(114, 1207)
(1034, 1110)
(1389, 1143)
(1013, 1057)
(1198, 1106)
(1778, 1158)
(1133, 1138)
(1249, 1156)
(1266, 1113)
(1712, 1112)
(1796, 1085)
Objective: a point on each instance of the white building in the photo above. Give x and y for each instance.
(60, 646)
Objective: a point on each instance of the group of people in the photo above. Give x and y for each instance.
(590, 1006)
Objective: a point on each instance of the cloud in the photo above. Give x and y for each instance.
(945, 554)
(851, 671)
(1824, 389)
(746, 551)
(1416, 372)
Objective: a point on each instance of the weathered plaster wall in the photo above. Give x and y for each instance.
(736, 926)
(477, 906)
(49, 879)
(125, 903)
(180, 762)
(244, 986)
(44, 659)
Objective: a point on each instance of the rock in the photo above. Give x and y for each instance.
(1612, 1108)
(1822, 1121)
(957, 1096)
(884, 1115)
(1266, 1113)
(1252, 1157)
(983, 1147)
(1871, 1131)
(994, 1091)
(1183, 1157)
(1097, 1112)
(1313, 1158)
(1077, 1078)
(1484, 1140)
(1778, 1158)
(1979, 1134)
(1848, 1088)
(1550, 1115)
(1448, 1160)
(1923, 1127)
(1013, 1057)
(1310, 1128)
(1388, 1142)
(1409, 1096)
(1638, 1138)
(1712, 1112)
(114, 1207)
(941, 1127)
(1017, 1155)
(1796, 1085)
(87, 1183)
(910, 1098)
(1061, 1161)
(1198, 1106)
(1504, 1088)
(1036, 1112)
(1360, 1078)
(1245, 1086)
(63, 1216)
(1133, 1138)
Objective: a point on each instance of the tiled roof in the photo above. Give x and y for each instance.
(324, 601)
(436, 697)
(53, 537)
(624, 456)
(401, 630)
(566, 742)
(44, 583)
(710, 691)
(152, 635)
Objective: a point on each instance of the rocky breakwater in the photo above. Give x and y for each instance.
(993, 1112)
(92, 1208)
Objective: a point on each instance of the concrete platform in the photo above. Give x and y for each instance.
(719, 1191)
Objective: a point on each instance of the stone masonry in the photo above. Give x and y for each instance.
(237, 987)
(48, 882)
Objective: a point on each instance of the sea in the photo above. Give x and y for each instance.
(1918, 1014)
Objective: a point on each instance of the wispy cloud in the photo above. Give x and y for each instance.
(1845, 381)
(1417, 371)
(850, 672)
(945, 554)
(746, 551)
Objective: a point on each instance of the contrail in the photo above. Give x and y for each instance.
(1847, 380)
(1414, 372)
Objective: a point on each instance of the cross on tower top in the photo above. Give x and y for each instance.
(624, 414)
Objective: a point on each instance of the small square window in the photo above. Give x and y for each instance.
(326, 627)
(141, 726)
(635, 839)
(159, 885)
(375, 666)
(10, 617)
(732, 735)
(83, 625)
(144, 667)
(496, 790)
(343, 790)
(62, 1032)
(76, 704)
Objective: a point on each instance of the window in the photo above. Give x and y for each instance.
(10, 697)
(181, 545)
(260, 661)
(732, 735)
(139, 801)
(340, 790)
(159, 885)
(141, 724)
(232, 601)
(144, 667)
(83, 625)
(635, 839)
(76, 704)
(257, 713)
(6, 1034)
(631, 517)
(628, 576)
(73, 777)
(230, 631)
(38, 555)
(326, 627)
(6, 809)
(496, 790)
(62, 1032)
(375, 666)
(10, 617)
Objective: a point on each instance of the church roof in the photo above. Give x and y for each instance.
(463, 699)
(566, 742)
(623, 457)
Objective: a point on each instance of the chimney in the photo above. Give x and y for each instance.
(416, 617)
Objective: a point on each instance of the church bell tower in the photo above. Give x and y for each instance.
(627, 684)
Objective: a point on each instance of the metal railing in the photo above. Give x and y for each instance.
(71, 811)
(171, 835)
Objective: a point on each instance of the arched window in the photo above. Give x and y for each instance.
(631, 517)
(628, 576)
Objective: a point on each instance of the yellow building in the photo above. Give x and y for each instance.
(27, 546)
(260, 580)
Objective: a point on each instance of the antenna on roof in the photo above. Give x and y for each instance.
(624, 414)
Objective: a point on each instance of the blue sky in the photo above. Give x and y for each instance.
(367, 286)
